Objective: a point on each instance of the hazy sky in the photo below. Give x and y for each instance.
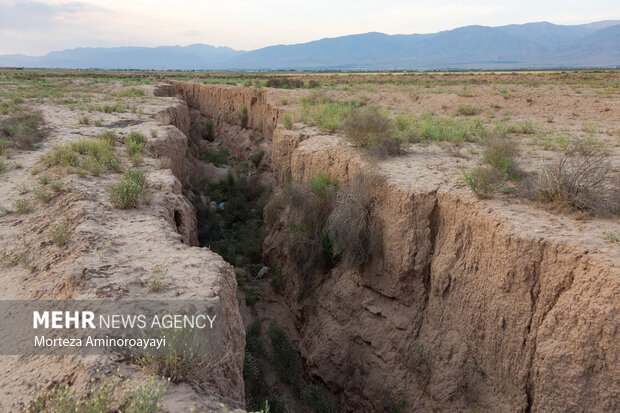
(37, 27)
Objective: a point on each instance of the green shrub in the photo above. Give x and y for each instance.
(368, 128)
(87, 155)
(284, 357)
(84, 120)
(253, 370)
(108, 136)
(183, 359)
(483, 181)
(4, 146)
(243, 117)
(146, 397)
(110, 108)
(322, 185)
(500, 152)
(320, 111)
(130, 190)
(233, 228)
(56, 186)
(60, 235)
(288, 121)
(3, 164)
(467, 110)
(217, 157)
(62, 400)
(22, 206)
(431, 128)
(135, 143)
(42, 195)
(133, 92)
(319, 400)
(257, 156)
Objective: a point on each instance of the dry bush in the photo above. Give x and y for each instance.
(483, 181)
(370, 129)
(576, 179)
(24, 129)
(309, 212)
(349, 223)
(500, 152)
(283, 82)
(467, 110)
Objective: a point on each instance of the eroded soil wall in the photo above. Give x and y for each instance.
(456, 309)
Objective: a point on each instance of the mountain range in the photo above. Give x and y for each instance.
(516, 46)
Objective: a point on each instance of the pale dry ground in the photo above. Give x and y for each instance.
(111, 254)
(573, 115)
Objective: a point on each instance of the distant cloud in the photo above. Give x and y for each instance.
(32, 14)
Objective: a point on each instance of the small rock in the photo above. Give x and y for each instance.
(263, 272)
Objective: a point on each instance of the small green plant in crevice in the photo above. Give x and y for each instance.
(157, 282)
(109, 137)
(183, 359)
(207, 130)
(288, 121)
(146, 397)
(130, 190)
(420, 352)
(4, 146)
(243, 117)
(612, 236)
(62, 399)
(22, 188)
(217, 157)
(60, 235)
(321, 185)
(251, 297)
(319, 400)
(3, 164)
(399, 405)
(483, 181)
(284, 357)
(257, 392)
(56, 185)
(277, 280)
(84, 120)
(257, 156)
(135, 143)
(22, 206)
(42, 195)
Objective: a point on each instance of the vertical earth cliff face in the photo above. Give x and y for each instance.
(111, 255)
(457, 309)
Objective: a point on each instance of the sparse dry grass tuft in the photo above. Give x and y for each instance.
(373, 131)
(483, 181)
